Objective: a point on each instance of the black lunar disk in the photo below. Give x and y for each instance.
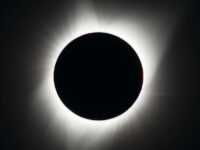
(98, 76)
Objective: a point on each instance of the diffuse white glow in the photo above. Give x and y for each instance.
(143, 35)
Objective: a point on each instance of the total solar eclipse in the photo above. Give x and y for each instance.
(98, 76)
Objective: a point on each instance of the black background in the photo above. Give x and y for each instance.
(174, 126)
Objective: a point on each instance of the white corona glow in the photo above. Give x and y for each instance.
(145, 38)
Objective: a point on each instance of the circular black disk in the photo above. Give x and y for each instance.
(98, 76)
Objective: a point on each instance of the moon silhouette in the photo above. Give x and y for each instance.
(98, 76)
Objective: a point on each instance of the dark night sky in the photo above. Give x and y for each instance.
(174, 124)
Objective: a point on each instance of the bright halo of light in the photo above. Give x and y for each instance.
(143, 35)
